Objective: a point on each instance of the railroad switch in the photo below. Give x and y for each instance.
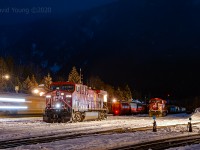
(189, 126)
(154, 124)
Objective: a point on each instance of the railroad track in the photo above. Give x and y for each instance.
(163, 143)
(71, 135)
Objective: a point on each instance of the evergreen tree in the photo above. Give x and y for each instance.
(119, 94)
(47, 82)
(27, 85)
(127, 93)
(96, 83)
(17, 83)
(10, 64)
(33, 82)
(3, 71)
(74, 76)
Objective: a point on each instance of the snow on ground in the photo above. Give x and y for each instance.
(27, 127)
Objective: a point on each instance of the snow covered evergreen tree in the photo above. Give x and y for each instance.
(34, 82)
(27, 85)
(74, 76)
(47, 82)
(119, 94)
(127, 93)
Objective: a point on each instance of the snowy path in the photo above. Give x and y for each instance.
(27, 127)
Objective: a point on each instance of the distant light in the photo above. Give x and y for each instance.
(68, 96)
(62, 94)
(6, 76)
(41, 93)
(48, 96)
(13, 107)
(114, 100)
(35, 91)
(11, 99)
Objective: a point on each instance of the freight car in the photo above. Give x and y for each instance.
(128, 108)
(172, 109)
(68, 101)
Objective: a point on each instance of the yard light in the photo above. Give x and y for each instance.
(42, 93)
(114, 100)
(35, 91)
(6, 76)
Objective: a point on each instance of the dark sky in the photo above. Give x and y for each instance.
(18, 9)
(152, 45)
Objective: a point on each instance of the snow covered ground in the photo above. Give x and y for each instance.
(27, 127)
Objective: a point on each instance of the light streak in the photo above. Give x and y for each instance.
(11, 99)
(13, 107)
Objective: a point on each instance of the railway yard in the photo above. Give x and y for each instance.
(117, 132)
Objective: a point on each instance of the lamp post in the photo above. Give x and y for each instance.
(2, 82)
(6, 77)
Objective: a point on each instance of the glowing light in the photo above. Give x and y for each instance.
(35, 91)
(13, 107)
(11, 99)
(7, 77)
(114, 100)
(58, 105)
(105, 98)
(68, 96)
(116, 112)
(41, 93)
(62, 94)
(48, 96)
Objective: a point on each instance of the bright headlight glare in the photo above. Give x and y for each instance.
(48, 96)
(68, 96)
(58, 105)
(62, 94)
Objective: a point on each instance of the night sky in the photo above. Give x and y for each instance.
(152, 45)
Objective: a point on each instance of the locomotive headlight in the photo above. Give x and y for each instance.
(68, 96)
(58, 105)
(48, 96)
(105, 98)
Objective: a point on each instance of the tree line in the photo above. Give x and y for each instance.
(25, 79)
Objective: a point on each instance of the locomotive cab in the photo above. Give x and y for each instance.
(58, 106)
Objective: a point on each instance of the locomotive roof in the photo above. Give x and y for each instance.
(61, 83)
(157, 99)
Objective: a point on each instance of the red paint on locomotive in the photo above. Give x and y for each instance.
(75, 102)
(157, 107)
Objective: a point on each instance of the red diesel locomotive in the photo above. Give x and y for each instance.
(69, 101)
(157, 107)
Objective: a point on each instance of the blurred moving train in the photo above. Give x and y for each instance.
(21, 104)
